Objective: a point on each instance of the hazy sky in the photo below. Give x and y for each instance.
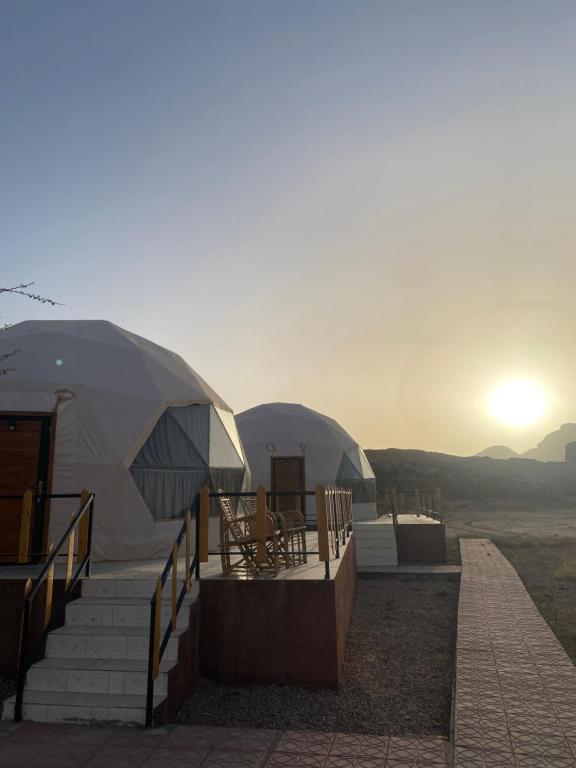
(367, 207)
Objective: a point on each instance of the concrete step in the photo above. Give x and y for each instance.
(122, 676)
(376, 544)
(366, 529)
(93, 642)
(384, 563)
(118, 612)
(67, 707)
(127, 588)
(376, 538)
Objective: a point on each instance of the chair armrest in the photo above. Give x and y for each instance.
(244, 519)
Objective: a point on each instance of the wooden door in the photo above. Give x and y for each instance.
(24, 459)
(288, 475)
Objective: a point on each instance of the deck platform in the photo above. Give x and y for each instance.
(151, 569)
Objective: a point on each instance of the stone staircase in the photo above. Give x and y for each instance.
(375, 545)
(96, 665)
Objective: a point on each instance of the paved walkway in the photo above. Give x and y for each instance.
(515, 686)
(70, 746)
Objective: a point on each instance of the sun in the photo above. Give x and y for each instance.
(518, 402)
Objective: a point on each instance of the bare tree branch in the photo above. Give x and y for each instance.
(22, 290)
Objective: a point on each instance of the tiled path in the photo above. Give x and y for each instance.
(69, 746)
(515, 686)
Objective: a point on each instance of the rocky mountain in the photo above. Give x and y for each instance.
(553, 446)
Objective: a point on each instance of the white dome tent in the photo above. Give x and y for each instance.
(329, 455)
(134, 424)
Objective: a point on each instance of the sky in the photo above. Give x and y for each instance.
(367, 207)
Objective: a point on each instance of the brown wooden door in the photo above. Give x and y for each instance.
(24, 457)
(288, 475)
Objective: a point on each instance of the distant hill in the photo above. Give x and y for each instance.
(498, 452)
(476, 478)
(553, 446)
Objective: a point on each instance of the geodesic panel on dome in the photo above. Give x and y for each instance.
(347, 470)
(169, 446)
(223, 453)
(348, 476)
(367, 470)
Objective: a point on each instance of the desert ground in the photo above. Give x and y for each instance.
(507, 519)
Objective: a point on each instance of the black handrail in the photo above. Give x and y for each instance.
(193, 569)
(42, 496)
(25, 653)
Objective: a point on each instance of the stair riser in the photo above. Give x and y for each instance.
(45, 713)
(127, 588)
(376, 541)
(112, 647)
(92, 681)
(78, 614)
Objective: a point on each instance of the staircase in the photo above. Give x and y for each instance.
(375, 545)
(96, 665)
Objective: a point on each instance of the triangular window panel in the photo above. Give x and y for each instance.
(223, 453)
(229, 422)
(367, 470)
(347, 470)
(194, 421)
(168, 447)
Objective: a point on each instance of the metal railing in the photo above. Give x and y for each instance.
(157, 646)
(333, 524)
(32, 512)
(81, 520)
(422, 502)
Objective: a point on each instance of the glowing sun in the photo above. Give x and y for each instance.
(518, 402)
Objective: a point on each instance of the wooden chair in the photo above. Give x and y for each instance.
(239, 532)
(291, 528)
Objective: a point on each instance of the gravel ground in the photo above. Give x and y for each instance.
(397, 676)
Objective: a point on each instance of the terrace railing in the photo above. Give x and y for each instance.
(334, 525)
(81, 524)
(422, 502)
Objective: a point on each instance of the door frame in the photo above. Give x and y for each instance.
(41, 513)
(302, 460)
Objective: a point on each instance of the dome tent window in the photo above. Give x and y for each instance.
(188, 448)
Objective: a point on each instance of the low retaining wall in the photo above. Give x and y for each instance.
(283, 631)
(423, 544)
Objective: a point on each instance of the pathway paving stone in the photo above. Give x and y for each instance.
(69, 746)
(515, 704)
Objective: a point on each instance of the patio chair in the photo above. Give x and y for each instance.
(239, 531)
(291, 528)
